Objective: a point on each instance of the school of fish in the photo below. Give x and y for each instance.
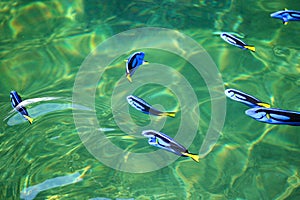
(259, 110)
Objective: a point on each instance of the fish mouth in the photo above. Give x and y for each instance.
(229, 93)
(223, 36)
(129, 97)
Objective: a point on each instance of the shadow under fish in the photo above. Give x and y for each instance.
(32, 191)
(146, 108)
(165, 142)
(44, 109)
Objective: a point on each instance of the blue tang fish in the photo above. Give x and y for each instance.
(245, 98)
(134, 61)
(236, 42)
(274, 116)
(163, 141)
(15, 99)
(146, 108)
(287, 15)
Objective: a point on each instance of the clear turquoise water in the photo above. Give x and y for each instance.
(43, 44)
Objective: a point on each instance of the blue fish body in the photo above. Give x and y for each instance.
(236, 42)
(274, 116)
(134, 61)
(146, 108)
(139, 104)
(163, 141)
(287, 15)
(15, 100)
(244, 98)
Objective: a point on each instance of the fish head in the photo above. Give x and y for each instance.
(141, 54)
(224, 36)
(12, 94)
(255, 114)
(230, 93)
(277, 14)
(153, 141)
(260, 115)
(149, 133)
(235, 95)
(129, 99)
(15, 98)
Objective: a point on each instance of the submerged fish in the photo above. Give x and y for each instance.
(274, 116)
(163, 141)
(146, 108)
(134, 61)
(286, 15)
(15, 100)
(245, 98)
(236, 42)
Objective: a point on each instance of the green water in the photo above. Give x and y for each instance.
(43, 45)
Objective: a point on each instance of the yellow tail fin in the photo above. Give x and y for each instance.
(251, 48)
(129, 78)
(28, 118)
(169, 114)
(193, 156)
(265, 105)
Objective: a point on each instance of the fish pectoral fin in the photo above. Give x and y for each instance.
(251, 48)
(265, 105)
(145, 62)
(28, 118)
(285, 22)
(129, 78)
(195, 157)
(156, 141)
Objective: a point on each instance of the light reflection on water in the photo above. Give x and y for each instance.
(43, 45)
